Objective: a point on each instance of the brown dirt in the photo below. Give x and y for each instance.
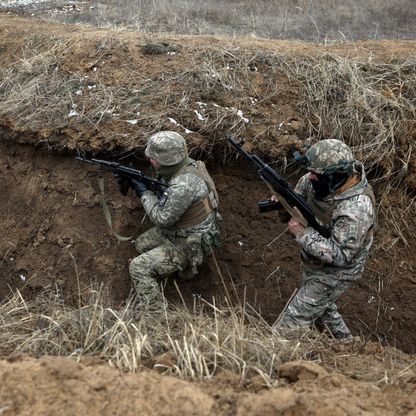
(51, 215)
(59, 386)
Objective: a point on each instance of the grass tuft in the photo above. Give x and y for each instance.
(194, 344)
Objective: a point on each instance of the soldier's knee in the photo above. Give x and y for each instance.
(140, 245)
(139, 266)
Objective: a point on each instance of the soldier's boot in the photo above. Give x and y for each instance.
(332, 320)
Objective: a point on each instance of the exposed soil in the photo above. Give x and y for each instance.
(51, 214)
(53, 230)
(49, 386)
(57, 386)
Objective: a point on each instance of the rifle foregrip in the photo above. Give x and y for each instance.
(268, 206)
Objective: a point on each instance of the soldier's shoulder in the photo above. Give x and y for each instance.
(187, 178)
(359, 202)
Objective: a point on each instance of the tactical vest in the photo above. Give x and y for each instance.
(323, 211)
(200, 210)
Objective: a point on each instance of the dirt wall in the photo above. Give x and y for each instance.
(54, 235)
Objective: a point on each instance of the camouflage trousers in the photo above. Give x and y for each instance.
(314, 303)
(158, 257)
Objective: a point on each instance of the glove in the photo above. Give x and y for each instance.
(123, 184)
(139, 187)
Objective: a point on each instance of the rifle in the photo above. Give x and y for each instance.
(293, 203)
(125, 171)
(121, 171)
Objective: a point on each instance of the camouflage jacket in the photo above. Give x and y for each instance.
(183, 191)
(351, 218)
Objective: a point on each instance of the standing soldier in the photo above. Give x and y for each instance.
(338, 192)
(185, 218)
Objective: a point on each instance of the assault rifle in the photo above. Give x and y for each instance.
(294, 204)
(125, 171)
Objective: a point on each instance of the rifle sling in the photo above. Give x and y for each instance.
(107, 213)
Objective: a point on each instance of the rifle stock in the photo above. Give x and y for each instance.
(291, 201)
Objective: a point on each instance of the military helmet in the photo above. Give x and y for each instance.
(166, 147)
(329, 156)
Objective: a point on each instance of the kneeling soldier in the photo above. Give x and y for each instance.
(185, 218)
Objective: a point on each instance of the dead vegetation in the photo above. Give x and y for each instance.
(189, 344)
(322, 21)
(371, 105)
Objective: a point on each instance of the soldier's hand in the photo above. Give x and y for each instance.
(139, 187)
(296, 228)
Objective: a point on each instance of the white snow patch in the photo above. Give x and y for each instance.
(200, 116)
(240, 114)
(173, 121)
(135, 121)
(17, 3)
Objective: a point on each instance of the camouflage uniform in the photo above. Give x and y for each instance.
(331, 265)
(176, 243)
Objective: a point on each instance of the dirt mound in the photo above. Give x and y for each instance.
(61, 386)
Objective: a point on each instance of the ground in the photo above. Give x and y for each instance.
(54, 235)
(53, 385)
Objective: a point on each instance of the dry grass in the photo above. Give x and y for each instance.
(190, 344)
(371, 106)
(309, 20)
(368, 104)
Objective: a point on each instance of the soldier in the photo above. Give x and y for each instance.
(337, 190)
(185, 218)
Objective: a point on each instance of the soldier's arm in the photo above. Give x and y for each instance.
(352, 220)
(177, 199)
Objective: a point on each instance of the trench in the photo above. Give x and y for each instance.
(54, 237)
